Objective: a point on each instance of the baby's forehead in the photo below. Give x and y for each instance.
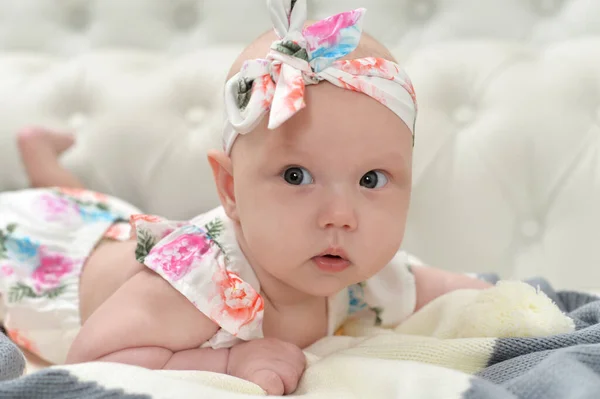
(330, 107)
(333, 116)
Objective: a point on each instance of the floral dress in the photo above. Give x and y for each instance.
(201, 259)
(46, 236)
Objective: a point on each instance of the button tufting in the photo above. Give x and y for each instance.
(422, 9)
(196, 115)
(464, 114)
(77, 120)
(79, 18)
(547, 7)
(186, 16)
(530, 228)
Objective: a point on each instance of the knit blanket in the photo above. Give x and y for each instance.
(375, 363)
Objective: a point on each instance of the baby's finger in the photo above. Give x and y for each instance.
(288, 373)
(300, 361)
(295, 356)
(269, 381)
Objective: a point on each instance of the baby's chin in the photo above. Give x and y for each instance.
(323, 286)
(320, 290)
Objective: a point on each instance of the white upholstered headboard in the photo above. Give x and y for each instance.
(508, 137)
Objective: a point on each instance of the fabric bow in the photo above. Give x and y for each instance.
(305, 56)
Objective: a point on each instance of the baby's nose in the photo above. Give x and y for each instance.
(338, 213)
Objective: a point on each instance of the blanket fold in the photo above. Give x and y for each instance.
(430, 358)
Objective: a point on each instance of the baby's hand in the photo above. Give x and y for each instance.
(276, 366)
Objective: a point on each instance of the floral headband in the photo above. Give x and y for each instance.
(305, 56)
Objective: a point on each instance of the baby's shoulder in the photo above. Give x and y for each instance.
(153, 230)
(200, 258)
(400, 264)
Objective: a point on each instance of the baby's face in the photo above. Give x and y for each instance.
(335, 177)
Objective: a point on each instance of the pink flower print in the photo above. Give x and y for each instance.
(294, 100)
(288, 98)
(364, 87)
(80, 193)
(266, 90)
(176, 257)
(146, 218)
(51, 270)
(346, 85)
(118, 232)
(166, 233)
(7, 271)
(238, 301)
(55, 207)
(329, 32)
(276, 71)
(369, 66)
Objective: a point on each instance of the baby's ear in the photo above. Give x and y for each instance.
(223, 174)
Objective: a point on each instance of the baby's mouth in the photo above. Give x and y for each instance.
(332, 261)
(334, 252)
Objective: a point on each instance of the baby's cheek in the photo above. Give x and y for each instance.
(267, 232)
(383, 239)
(387, 247)
(387, 222)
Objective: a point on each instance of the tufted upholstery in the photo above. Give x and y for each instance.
(507, 150)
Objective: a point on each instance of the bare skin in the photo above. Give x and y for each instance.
(127, 310)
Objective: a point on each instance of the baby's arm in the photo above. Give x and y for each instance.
(148, 323)
(432, 283)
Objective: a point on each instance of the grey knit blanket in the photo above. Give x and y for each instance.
(557, 367)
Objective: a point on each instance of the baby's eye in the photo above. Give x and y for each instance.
(373, 179)
(297, 176)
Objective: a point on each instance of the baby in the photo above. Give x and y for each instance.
(314, 181)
